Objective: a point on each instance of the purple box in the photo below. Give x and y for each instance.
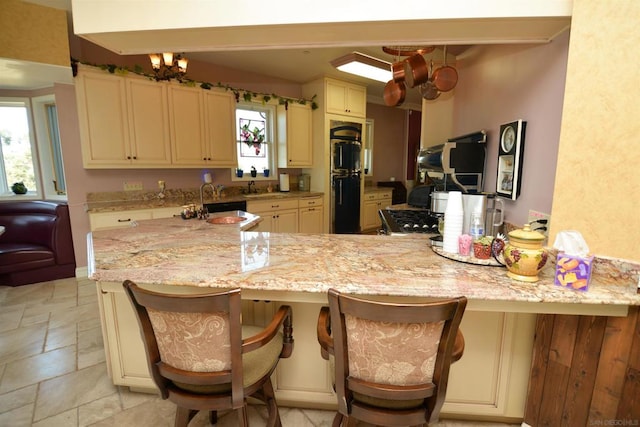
(573, 272)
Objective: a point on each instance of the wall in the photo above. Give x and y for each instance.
(597, 188)
(501, 84)
(390, 135)
(42, 30)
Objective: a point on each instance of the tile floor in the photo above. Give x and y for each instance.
(53, 371)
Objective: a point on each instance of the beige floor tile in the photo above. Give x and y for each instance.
(18, 398)
(63, 336)
(19, 417)
(22, 342)
(74, 315)
(29, 319)
(10, 316)
(64, 289)
(32, 294)
(79, 387)
(99, 410)
(66, 419)
(90, 348)
(85, 325)
(155, 413)
(319, 418)
(130, 399)
(32, 370)
(44, 308)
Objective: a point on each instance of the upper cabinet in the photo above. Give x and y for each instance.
(345, 98)
(294, 136)
(133, 122)
(219, 121)
(148, 123)
(202, 131)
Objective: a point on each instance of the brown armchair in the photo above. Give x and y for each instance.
(391, 359)
(202, 358)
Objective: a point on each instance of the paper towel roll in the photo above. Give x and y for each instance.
(284, 182)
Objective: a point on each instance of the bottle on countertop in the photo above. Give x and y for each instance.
(476, 227)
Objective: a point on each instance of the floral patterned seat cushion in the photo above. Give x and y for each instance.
(392, 353)
(200, 342)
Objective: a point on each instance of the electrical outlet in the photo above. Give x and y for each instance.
(132, 185)
(539, 222)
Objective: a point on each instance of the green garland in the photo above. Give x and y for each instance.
(238, 92)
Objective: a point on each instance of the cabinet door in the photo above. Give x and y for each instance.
(220, 120)
(102, 220)
(311, 220)
(149, 123)
(371, 219)
(186, 113)
(356, 101)
(267, 223)
(294, 136)
(345, 99)
(287, 221)
(103, 121)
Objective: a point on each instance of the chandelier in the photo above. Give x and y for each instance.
(166, 66)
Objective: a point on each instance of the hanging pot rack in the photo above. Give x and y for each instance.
(427, 88)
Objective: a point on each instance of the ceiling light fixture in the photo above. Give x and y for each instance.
(166, 67)
(364, 65)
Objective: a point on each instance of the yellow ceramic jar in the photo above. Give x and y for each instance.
(524, 255)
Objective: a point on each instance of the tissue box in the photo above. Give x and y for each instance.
(573, 271)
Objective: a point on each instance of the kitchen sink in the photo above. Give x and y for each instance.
(226, 219)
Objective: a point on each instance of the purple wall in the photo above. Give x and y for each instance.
(501, 84)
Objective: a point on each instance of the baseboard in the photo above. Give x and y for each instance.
(82, 272)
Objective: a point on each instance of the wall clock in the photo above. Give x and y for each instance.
(510, 158)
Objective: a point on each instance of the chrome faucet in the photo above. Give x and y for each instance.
(215, 193)
(252, 184)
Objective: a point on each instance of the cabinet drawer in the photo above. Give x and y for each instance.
(309, 202)
(271, 205)
(117, 219)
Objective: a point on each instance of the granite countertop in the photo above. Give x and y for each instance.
(150, 201)
(173, 251)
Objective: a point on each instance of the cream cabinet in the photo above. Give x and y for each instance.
(104, 220)
(220, 130)
(278, 216)
(345, 98)
(294, 136)
(103, 120)
(202, 127)
(132, 122)
(148, 123)
(123, 121)
(310, 215)
(186, 115)
(371, 204)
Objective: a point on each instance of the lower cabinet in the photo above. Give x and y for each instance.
(278, 216)
(103, 220)
(490, 381)
(311, 215)
(371, 204)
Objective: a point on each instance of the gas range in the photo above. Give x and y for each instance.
(397, 222)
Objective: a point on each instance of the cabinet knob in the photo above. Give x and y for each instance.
(128, 157)
(135, 158)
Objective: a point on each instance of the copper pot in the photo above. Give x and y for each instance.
(394, 93)
(416, 71)
(445, 78)
(397, 69)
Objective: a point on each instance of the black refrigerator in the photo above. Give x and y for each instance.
(346, 148)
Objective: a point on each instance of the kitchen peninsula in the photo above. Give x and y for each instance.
(175, 255)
